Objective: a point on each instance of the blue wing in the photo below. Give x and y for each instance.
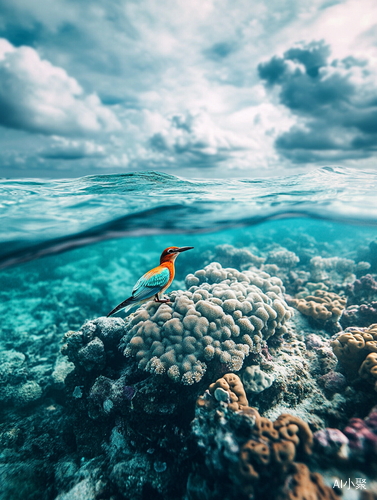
(151, 283)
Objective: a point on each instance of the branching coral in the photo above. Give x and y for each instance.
(332, 270)
(223, 317)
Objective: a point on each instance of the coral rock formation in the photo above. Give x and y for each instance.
(368, 369)
(357, 443)
(332, 270)
(359, 315)
(323, 306)
(352, 346)
(256, 380)
(362, 290)
(224, 316)
(232, 385)
(302, 484)
(255, 454)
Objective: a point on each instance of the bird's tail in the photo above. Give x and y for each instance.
(126, 304)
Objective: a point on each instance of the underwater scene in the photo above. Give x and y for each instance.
(251, 375)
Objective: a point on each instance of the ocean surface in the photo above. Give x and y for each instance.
(71, 250)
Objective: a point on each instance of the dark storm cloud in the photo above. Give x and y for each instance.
(335, 103)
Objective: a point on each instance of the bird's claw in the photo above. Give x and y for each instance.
(162, 301)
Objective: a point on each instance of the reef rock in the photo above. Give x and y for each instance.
(224, 316)
(249, 456)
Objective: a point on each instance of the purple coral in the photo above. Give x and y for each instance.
(361, 437)
(362, 316)
(331, 442)
(362, 290)
(357, 442)
(371, 420)
(129, 392)
(365, 283)
(333, 381)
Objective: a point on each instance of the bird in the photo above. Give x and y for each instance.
(154, 282)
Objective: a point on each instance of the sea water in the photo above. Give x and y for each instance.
(71, 250)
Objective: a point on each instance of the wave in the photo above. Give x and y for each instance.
(42, 217)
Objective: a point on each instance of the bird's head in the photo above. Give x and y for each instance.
(171, 253)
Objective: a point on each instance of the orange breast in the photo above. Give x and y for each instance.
(170, 266)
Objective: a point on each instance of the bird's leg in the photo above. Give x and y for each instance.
(161, 301)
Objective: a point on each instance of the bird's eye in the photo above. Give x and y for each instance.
(170, 250)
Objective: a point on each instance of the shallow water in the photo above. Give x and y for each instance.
(72, 250)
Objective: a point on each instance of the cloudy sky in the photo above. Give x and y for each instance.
(208, 88)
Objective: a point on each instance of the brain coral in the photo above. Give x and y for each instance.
(304, 485)
(256, 380)
(232, 386)
(353, 345)
(322, 306)
(368, 369)
(250, 455)
(223, 316)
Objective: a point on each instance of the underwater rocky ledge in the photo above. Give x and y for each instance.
(256, 381)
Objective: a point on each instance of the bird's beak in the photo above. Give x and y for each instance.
(183, 249)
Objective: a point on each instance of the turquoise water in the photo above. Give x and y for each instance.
(71, 250)
(42, 217)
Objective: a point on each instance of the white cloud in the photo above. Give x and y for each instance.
(39, 97)
(67, 149)
(154, 61)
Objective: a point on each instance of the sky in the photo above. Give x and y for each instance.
(199, 88)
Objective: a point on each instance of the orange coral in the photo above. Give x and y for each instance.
(368, 369)
(232, 384)
(296, 430)
(273, 443)
(306, 485)
(322, 306)
(352, 346)
(272, 446)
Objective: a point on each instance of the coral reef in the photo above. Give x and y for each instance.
(352, 346)
(239, 258)
(90, 424)
(357, 443)
(301, 484)
(359, 315)
(362, 290)
(332, 270)
(224, 316)
(322, 306)
(15, 387)
(282, 258)
(256, 380)
(368, 369)
(243, 447)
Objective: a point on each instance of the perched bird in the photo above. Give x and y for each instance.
(154, 282)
